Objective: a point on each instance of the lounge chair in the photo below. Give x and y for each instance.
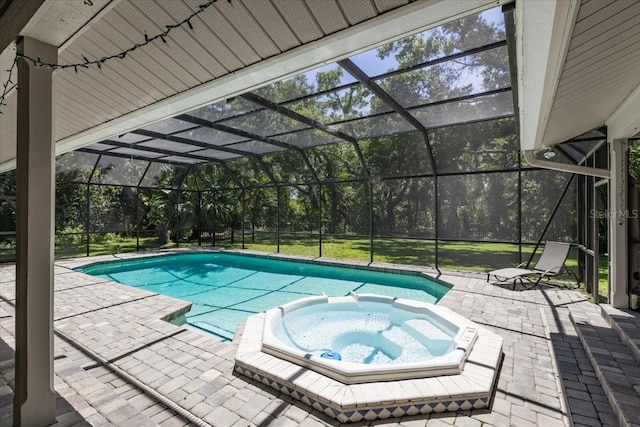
(551, 263)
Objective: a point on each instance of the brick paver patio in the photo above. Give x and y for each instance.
(117, 362)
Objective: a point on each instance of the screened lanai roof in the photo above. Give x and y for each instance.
(386, 91)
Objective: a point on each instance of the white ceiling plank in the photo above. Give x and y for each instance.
(603, 48)
(328, 15)
(128, 25)
(83, 113)
(124, 76)
(300, 19)
(272, 22)
(193, 40)
(589, 7)
(602, 29)
(358, 10)
(136, 69)
(247, 25)
(624, 122)
(229, 35)
(569, 121)
(606, 17)
(598, 73)
(85, 80)
(178, 49)
(384, 5)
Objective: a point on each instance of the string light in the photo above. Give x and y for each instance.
(8, 85)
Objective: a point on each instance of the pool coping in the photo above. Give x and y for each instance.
(471, 389)
(412, 270)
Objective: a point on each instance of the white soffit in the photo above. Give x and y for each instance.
(196, 68)
(625, 121)
(543, 32)
(600, 79)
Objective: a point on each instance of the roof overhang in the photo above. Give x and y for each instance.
(577, 69)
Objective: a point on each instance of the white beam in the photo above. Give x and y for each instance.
(543, 33)
(15, 18)
(564, 167)
(618, 224)
(35, 400)
(624, 122)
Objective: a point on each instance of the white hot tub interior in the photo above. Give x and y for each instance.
(367, 337)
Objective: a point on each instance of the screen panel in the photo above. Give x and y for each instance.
(222, 110)
(346, 216)
(264, 123)
(371, 127)
(464, 111)
(353, 102)
(119, 171)
(7, 216)
(541, 190)
(299, 220)
(404, 221)
(75, 166)
(210, 136)
(397, 155)
(319, 79)
(478, 207)
(469, 75)
(169, 126)
(249, 171)
(308, 138)
(288, 167)
(483, 146)
(457, 36)
(161, 175)
(261, 219)
(336, 162)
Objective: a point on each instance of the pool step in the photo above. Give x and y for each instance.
(615, 366)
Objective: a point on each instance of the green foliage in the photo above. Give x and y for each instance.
(634, 160)
(71, 236)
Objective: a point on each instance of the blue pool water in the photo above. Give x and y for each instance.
(225, 288)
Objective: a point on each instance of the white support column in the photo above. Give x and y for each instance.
(618, 216)
(35, 402)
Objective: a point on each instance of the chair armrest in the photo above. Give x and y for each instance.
(553, 268)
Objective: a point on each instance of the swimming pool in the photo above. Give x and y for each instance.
(225, 288)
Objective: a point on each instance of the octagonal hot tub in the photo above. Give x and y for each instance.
(368, 357)
(367, 337)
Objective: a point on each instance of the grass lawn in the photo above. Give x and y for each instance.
(458, 256)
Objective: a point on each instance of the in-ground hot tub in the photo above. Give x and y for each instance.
(368, 338)
(397, 357)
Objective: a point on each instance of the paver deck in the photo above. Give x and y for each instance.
(118, 363)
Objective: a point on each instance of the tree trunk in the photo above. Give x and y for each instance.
(163, 234)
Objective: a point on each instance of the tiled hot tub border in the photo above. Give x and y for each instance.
(472, 389)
